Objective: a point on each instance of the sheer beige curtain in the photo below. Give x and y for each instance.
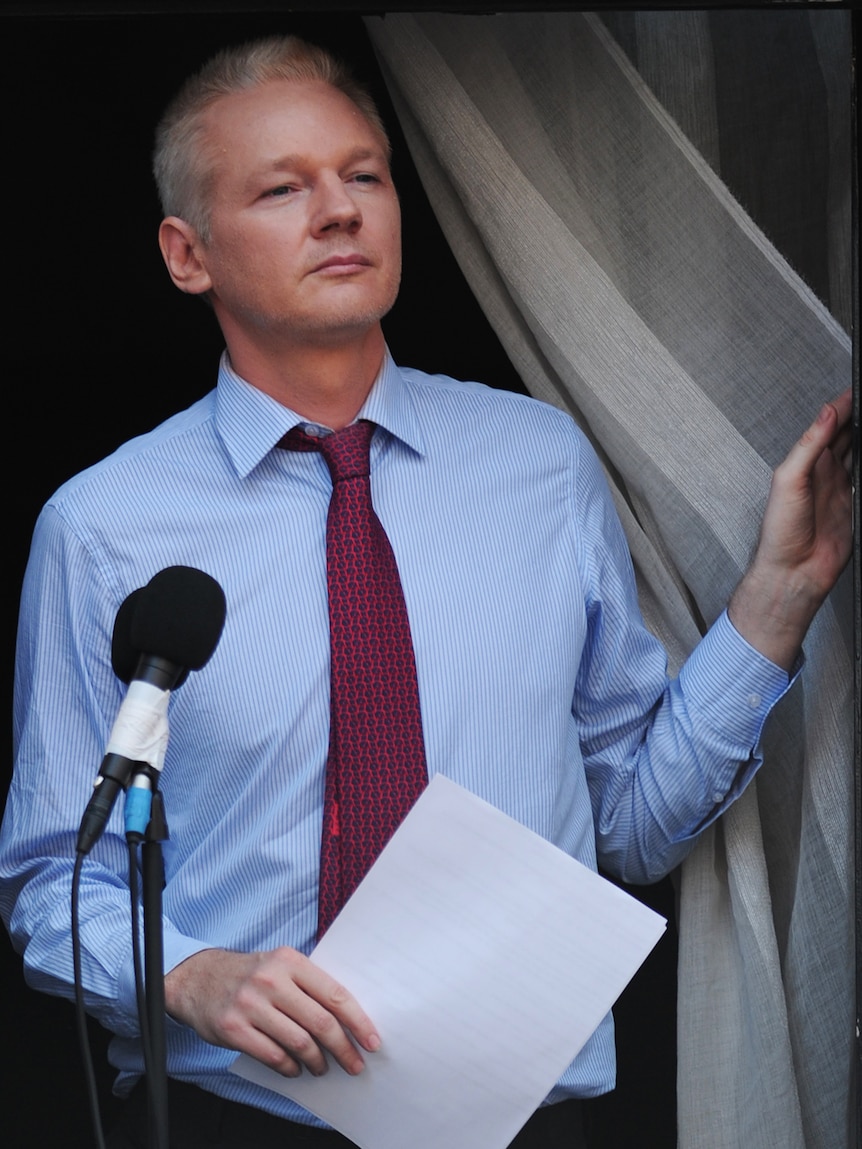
(581, 197)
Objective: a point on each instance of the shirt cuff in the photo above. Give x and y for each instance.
(733, 685)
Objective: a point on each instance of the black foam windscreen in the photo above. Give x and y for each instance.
(124, 656)
(179, 616)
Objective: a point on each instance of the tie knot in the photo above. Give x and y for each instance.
(346, 451)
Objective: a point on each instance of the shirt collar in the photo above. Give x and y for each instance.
(250, 423)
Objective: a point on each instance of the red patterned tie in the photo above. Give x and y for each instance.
(376, 765)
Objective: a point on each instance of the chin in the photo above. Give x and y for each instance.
(346, 323)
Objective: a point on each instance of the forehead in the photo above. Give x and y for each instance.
(281, 118)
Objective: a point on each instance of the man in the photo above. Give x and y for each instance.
(540, 689)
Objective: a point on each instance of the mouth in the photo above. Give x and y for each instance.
(342, 264)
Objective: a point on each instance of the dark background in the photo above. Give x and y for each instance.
(99, 346)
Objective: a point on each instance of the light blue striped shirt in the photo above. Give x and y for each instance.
(541, 691)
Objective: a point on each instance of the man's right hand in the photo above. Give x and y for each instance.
(279, 1007)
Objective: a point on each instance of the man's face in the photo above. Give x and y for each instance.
(305, 241)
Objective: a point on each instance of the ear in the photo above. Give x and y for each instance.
(182, 252)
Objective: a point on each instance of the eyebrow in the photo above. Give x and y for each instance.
(297, 162)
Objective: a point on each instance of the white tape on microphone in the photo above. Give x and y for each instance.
(140, 732)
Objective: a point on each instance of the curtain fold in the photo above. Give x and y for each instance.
(630, 287)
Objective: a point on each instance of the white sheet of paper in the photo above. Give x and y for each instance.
(486, 957)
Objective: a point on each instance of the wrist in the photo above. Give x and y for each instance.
(773, 612)
(182, 980)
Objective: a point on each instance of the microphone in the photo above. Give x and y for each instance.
(162, 631)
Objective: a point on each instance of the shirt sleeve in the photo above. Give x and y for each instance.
(663, 758)
(66, 697)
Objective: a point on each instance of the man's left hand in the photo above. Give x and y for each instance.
(805, 538)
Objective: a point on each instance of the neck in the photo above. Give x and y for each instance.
(324, 384)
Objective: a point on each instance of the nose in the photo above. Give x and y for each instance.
(334, 208)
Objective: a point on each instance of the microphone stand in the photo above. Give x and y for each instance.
(153, 871)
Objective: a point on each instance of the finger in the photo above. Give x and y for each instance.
(251, 1024)
(309, 1013)
(275, 1021)
(842, 448)
(332, 1016)
(265, 1048)
(307, 1036)
(843, 405)
(341, 1005)
(831, 422)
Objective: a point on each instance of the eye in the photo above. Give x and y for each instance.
(366, 178)
(280, 190)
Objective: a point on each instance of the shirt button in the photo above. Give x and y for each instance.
(718, 797)
(313, 430)
(754, 701)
